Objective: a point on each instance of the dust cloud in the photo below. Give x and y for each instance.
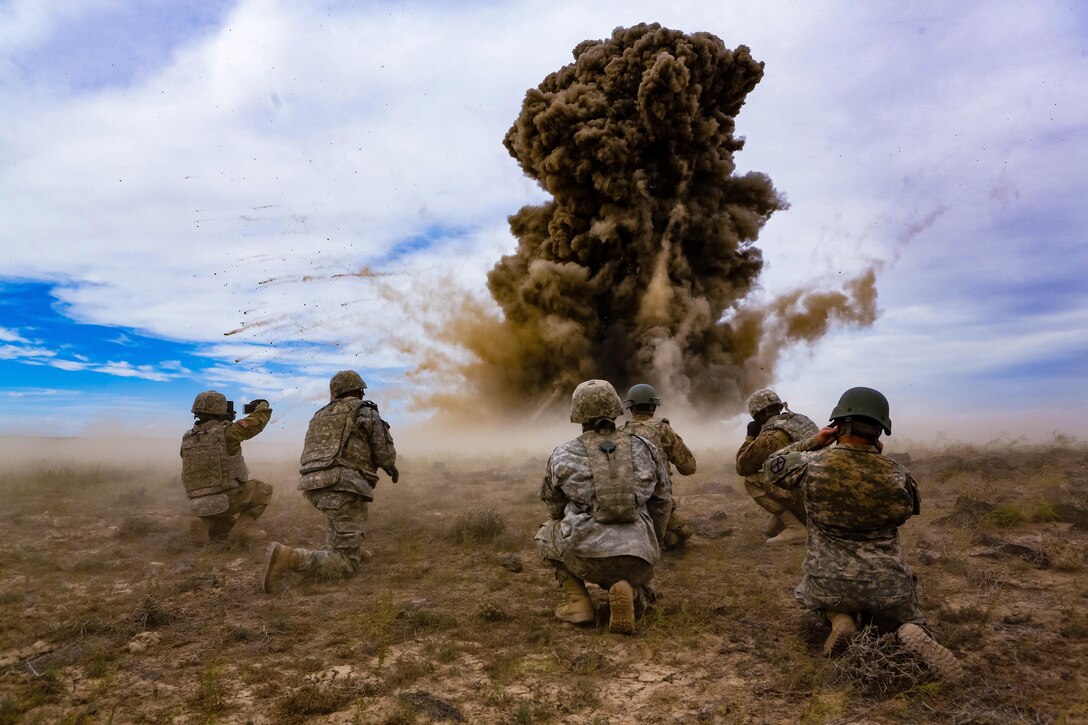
(640, 266)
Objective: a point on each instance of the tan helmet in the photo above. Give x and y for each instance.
(345, 381)
(595, 399)
(210, 402)
(761, 400)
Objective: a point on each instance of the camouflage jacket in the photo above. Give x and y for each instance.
(568, 490)
(660, 433)
(778, 432)
(855, 499)
(361, 477)
(211, 455)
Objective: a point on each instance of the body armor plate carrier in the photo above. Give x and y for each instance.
(332, 440)
(798, 427)
(610, 460)
(206, 468)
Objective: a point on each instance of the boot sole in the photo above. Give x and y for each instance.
(621, 604)
(837, 641)
(936, 656)
(269, 560)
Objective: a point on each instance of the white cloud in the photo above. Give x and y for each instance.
(7, 335)
(17, 352)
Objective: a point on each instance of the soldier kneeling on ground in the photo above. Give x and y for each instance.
(773, 426)
(224, 501)
(856, 500)
(346, 443)
(609, 496)
(641, 402)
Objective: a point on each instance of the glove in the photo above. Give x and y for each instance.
(753, 428)
(394, 474)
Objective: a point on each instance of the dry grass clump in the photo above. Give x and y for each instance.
(876, 666)
(313, 699)
(479, 526)
(152, 612)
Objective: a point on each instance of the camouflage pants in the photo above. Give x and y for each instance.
(250, 498)
(885, 610)
(345, 518)
(606, 571)
(775, 499)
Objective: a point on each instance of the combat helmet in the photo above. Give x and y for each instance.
(761, 400)
(595, 399)
(864, 403)
(641, 394)
(345, 381)
(210, 402)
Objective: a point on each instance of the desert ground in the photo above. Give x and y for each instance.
(111, 615)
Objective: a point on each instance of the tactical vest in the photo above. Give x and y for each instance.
(798, 427)
(612, 466)
(334, 439)
(206, 468)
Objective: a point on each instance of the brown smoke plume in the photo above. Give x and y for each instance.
(637, 269)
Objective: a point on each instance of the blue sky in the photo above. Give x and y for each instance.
(252, 195)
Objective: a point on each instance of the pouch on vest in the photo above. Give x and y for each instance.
(217, 503)
(610, 461)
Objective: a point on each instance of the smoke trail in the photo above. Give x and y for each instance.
(637, 269)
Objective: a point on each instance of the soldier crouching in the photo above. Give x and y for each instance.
(224, 501)
(856, 500)
(609, 496)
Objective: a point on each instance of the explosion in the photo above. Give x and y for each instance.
(637, 269)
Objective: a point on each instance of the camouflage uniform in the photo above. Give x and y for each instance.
(214, 472)
(856, 500)
(575, 541)
(777, 432)
(341, 484)
(671, 445)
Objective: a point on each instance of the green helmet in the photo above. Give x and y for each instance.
(595, 399)
(864, 403)
(761, 400)
(210, 403)
(345, 381)
(641, 394)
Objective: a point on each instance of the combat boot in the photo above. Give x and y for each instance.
(843, 627)
(245, 531)
(278, 560)
(578, 609)
(793, 532)
(199, 531)
(677, 533)
(774, 526)
(915, 639)
(621, 603)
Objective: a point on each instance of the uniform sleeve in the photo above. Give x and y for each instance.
(679, 454)
(755, 451)
(786, 467)
(378, 437)
(552, 494)
(660, 504)
(247, 427)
